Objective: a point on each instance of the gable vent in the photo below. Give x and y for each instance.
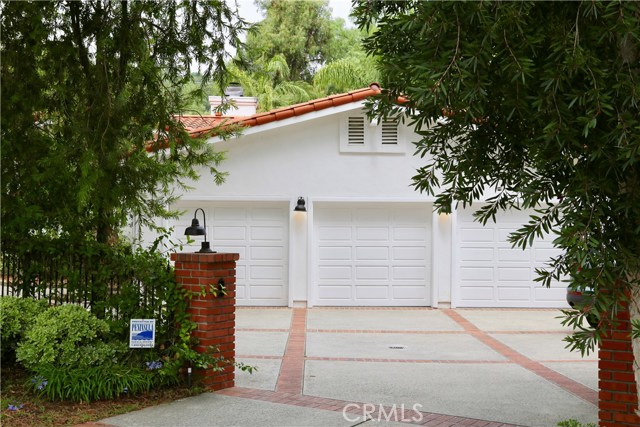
(356, 130)
(390, 131)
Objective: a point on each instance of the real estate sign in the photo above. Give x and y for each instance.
(142, 333)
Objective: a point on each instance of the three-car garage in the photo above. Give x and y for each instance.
(373, 254)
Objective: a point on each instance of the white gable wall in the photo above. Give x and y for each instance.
(303, 159)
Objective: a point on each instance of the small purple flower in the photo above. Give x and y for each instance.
(156, 364)
(15, 408)
(40, 381)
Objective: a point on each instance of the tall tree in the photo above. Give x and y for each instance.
(87, 88)
(301, 31)
(533, 105)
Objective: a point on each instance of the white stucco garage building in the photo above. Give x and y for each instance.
(367, 238)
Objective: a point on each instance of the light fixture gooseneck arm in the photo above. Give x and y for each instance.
(204, 219)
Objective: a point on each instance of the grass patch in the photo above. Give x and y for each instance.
(37, 411)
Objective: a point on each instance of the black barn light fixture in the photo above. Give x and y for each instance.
(197, 230)
(300, 207)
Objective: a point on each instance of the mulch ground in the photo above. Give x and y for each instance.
(36, 411)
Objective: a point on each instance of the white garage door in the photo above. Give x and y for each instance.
(490, 273)
(259, 232)
(372, 255)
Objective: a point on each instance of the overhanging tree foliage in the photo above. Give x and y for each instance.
(530, 105)
(87, 88)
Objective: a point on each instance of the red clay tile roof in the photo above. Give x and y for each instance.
(198, 125)
(199, 121)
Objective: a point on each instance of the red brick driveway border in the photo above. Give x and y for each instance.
(289, 386)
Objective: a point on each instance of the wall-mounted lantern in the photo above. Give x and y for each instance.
(197, 230)
(300, 207)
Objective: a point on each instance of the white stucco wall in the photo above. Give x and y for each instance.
(304, 159)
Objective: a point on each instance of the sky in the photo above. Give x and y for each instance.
(341, 9)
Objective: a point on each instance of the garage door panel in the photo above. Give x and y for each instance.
(265, 292)
(478, 293)
(335, 234)
(233, 214)
(364, 253)
(267, 253)
(514, 255)
(378, 255)
(335, 272)
(334, 216)
(476, 274)
(514, 293)
(409, 253)
(267, 233)
(229, 233)
(409, 234)
(241, 292)
(241, 273)
(372, 273)
(418, 273)
(332, 253)
(476, 235)
(409, 292)
(372, 292)
(260, 272)
(371, 233)
(258, 232)
(476, 254)
(491, 273)
(327, 292)
(514, 274)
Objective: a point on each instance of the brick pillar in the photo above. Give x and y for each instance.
(617, 397)
(215, 317)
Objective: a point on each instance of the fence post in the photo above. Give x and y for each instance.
(215, 317)
(617, 397)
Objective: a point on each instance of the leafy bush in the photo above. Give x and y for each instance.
(16, 318)
(90, 383)
(67, 336)
(574, 423)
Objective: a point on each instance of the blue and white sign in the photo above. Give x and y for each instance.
(142, 333)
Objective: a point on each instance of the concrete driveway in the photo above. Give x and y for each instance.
(499, 365)
(393, 367)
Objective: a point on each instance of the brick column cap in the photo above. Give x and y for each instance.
(199, 257)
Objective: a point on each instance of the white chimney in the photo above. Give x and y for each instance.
(241, 105)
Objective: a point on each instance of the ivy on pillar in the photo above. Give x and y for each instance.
(214, 316)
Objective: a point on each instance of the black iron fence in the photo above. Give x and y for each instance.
(111, 282)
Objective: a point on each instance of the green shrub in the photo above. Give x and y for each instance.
(574, 423)
(90, 383)
(67, 336)
(16, 318)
